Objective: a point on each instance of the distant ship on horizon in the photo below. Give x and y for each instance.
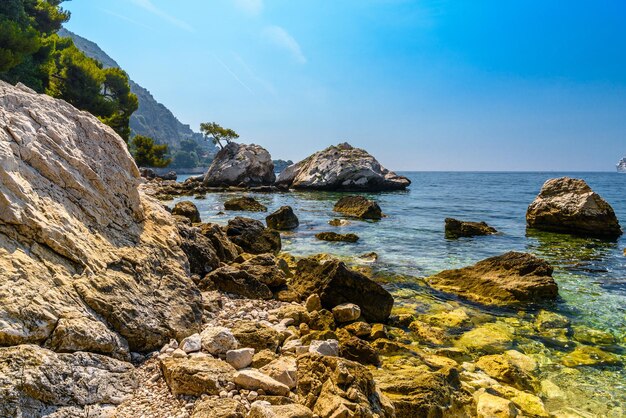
(621, 166)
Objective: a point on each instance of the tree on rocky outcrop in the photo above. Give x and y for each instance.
(217, 133)
(147, 153)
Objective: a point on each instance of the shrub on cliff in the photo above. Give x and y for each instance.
(147, 153)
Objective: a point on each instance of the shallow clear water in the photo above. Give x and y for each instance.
(591, 274)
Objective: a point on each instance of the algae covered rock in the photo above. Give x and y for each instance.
(341, 167)
(570, 206)
(491, 338)
(358, 207)
(457, 229)
(335, 237)
(510, 278)
(586, 355)
(244, 204)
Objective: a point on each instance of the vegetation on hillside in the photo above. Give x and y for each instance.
(147, 153)
(32, 53)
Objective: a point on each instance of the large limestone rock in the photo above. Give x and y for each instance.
(196, 375)
(570, 206)
(241, 165)
(80, 244)
(36, 382)
(336, 284)
(341, 167)
(505, 279)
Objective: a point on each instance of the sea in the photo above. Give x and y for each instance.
(410, 243)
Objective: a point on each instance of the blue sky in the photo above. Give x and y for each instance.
(422, 85)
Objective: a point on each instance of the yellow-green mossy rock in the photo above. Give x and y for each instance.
(586, 355)
(491, 338)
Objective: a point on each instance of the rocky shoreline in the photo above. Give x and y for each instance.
(116, 306)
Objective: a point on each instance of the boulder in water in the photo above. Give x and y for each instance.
(335, 237)
(241, 165)
(341, 167)
(245, 203)
(457, 229)
(359, 207)
(505, 279)
(569, 205)
(283, 219)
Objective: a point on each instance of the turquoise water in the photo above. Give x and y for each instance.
(591, 274)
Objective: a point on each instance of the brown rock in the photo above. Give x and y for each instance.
(335, 237)
(244, 204)
(359, 207)
(256, 335)
(335, 283)
(196, 375)
(218, 408)
(188, 210)
(506, 279)
(456, 229)
(252, 236)
(283, 219)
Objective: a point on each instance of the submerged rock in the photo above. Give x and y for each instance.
(505, 279)
(79, 239)
(283, 219)
(335, 283)
(359, 207)
(335, 237)
(586, 355)
(241, 165)
(252, 236)
(457, 229)
(244, 204)
(341, 167)
(570, 206)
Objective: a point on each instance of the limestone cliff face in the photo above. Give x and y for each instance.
(87, 262)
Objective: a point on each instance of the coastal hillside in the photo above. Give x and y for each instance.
(152, 118)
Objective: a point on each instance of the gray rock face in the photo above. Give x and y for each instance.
(341, 167)
(241, 164)
(570, 206)
(79, 240)
(36, 382)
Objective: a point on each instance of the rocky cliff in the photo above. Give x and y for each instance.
(88, 263)
(152, 118)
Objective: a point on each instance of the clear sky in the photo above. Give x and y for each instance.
(422, 85)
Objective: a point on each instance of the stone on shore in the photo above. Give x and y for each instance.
(341, 167)
(211, 407)
(188, 210)
(226, 250)
(491, 406)
(241, 165)
(457, 229)
(335, 283)
(256, 335)
(79, 238)
(283, 219)
(218, 340)
(261, 409)
(284, 370)
(196, 376)
(191, 344)
(240, 358)
(346, 312)
(334, 387)
(199, 250)
(252, 236)
(358, 207)
(570, 206)
(335, 237)
(324, 348)
(244, 204)
(507, 279)
(252, 379)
